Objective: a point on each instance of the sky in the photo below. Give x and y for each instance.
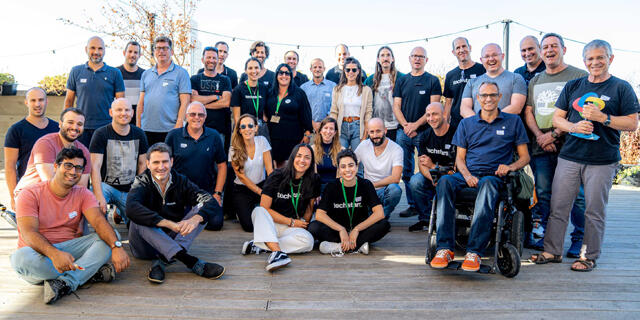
(32, 31)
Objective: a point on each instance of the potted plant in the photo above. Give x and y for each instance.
(54, 85)
(9, 86)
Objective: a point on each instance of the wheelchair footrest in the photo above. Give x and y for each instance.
(484, 268)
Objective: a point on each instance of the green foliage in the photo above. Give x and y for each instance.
(55, 85)
(628, 172)
(7, 78)
(630, 147)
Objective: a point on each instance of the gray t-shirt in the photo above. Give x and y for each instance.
(383, 103)
(508, 83)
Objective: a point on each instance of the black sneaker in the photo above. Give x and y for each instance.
(54, 290)
(410, 212)
(106, 273)
(248, 247)
(208, 270)
(277, 260)
(156, 273)
(419, 226)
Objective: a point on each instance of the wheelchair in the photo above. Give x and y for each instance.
(8, 215)
(507, 230)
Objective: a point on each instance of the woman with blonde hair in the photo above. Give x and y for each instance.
(326, 146)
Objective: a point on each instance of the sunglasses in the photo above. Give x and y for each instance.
(68, 166)
(196, 114)
(354, 70)
(244, 126)
(284, 73)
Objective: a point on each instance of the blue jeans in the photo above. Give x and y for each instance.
(423, 191)
(89, 252)
(350, 134)
(390, 197)
(482, 222)
(544, 167)
(117, 198)
(408, 145)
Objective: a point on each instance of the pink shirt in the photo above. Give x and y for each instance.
(59, 218)
(45, 150)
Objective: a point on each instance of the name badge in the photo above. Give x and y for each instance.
(83, 80)
(72, 214)
(605, 98)
(447, 146)
(275, 119)
(183, 145)
(287, 101)
(105, 79)
(472, 76)
(266, 83)
(327, 94)
(422, 92)
(500, 132)
(164, 84)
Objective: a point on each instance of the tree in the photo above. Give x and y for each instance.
(143, 21)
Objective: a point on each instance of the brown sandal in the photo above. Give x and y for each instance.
(588, 264)
(540, 258)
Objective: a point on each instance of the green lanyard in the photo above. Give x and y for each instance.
(280, 100)
(346, 203)
(295, 199)
(256, 101)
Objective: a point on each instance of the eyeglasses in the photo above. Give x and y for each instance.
(417, 56)
(354, 70)
(244, 126)
(284, 73)
(68, 166)
(196, 114)
(488, 95)
(493, 56)
(167, 48)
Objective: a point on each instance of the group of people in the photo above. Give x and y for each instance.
(305, 163)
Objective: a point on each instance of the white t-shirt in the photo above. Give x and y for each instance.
(254, 168)
(380, 167)
(352, 101)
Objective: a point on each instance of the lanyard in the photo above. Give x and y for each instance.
(256, 101)
(295, 199)
(280, 100)
(346, 203)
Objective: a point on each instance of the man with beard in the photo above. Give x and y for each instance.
(213, 90)
(118, 154)
(342, 53)
(50, 248)
(319, 91)
(23, 134)
(457, 78)
(435, 150)
(292, 58)
(382, 162)
(131, 73)
(260, 51)
(221, 68)
(43, 154)
(96, 85)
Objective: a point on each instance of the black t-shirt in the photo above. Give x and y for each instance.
(300, 78)
(120, 155)
(281, 195)
(439, 149)
(126, 75)
(267, 79)
(416, 95)
(334, 204)
(619, 99)
(528, 75)
(245, 99)
(294, 113)
(230, 73)
(218, 119)
(22, 135)
(454, 84)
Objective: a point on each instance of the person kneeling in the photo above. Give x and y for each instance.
(162, 228)
(286, 204)
(343, 223)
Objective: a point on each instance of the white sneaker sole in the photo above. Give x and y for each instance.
(278, 264)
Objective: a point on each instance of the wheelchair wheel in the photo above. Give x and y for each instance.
(431, 248)
(508, 260)
(516, 235)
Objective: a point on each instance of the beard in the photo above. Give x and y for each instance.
(63, 133)
(377, 141)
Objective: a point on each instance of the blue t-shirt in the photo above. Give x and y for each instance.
(22, 135)
(197, 159)
(489, 144)
(319, 96)
(162, 97)
(619, 99)
(416, 92)
(95, 92)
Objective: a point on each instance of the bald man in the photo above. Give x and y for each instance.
(96, 85)
(530, 53)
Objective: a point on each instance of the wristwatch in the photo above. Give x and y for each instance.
(218, 193)
(554, 134)
(608, 121)
(116, 244)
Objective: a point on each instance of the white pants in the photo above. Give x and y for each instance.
(291, 240)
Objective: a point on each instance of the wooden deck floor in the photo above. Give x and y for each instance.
(392, 282)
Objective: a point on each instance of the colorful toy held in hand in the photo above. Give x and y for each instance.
(578, 105)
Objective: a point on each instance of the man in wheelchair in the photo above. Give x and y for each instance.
(485, 144)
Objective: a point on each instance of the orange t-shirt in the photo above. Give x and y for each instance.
(60, 219)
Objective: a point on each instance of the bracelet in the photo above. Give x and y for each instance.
(292, 222)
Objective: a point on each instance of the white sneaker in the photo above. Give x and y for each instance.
(332, 248)
(248, 247)
(364, 248)
(277, 260)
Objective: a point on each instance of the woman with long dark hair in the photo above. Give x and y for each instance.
(343, 223)
(326, 146)
(286, 204)
(351, 105)
(250, 97)
(250, 158)
(289, 115)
